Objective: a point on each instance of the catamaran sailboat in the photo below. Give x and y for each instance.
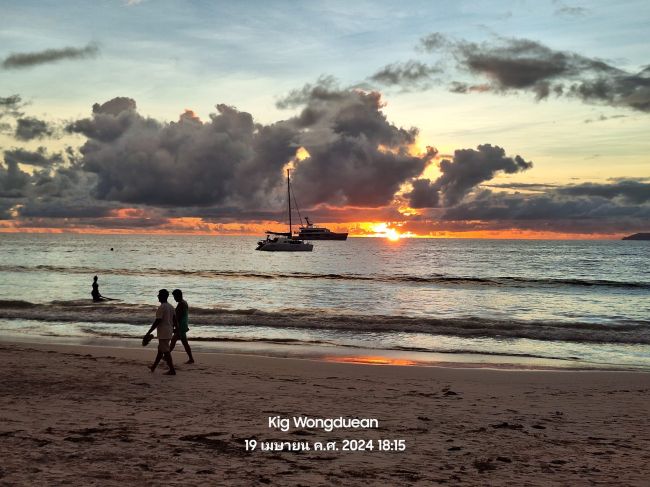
(284, 241)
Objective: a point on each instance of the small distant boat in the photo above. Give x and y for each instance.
(310, 232)
(284, 241)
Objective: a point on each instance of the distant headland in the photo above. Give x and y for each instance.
(638, 236)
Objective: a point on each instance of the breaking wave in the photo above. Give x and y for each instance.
(433, 279)
(623, 332)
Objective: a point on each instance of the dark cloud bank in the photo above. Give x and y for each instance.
(230, 168)
(356, 157)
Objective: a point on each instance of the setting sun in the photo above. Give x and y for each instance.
(391, 234)
(383, 230)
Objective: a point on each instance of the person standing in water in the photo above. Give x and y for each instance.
(95, 292)
(182, 320)
(164, 325)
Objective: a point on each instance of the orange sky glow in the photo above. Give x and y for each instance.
(197, 226)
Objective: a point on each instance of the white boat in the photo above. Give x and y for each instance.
(284, 241)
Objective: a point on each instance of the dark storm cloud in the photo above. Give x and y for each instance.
(39, 157)
(425, 194)
(522, 64)
(13, 181)
(227, 160)
(67, 183)
(356, 156)
(459, 176)
(55, 187)
(29, 128)
(56, 209)
(633, 192)
(110, 120)
(410, 75)
(62, 193)
(29, 59)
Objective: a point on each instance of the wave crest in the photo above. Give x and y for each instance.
(435, 279)
(627, 332)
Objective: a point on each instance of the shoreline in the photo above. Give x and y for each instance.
(88, 414)
(332, 354)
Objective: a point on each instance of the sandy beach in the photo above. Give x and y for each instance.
(82, 415)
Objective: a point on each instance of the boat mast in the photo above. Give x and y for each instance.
(289, 200)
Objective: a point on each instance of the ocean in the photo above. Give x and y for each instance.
(526, 303)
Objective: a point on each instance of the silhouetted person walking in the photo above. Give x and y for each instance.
(182, 320)
(164, 325)
(95, 292)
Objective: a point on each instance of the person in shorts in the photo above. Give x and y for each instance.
(182, 320)
(164, 325)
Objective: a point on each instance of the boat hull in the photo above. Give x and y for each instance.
(275, 247)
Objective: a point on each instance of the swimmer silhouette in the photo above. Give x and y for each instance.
(95, 293)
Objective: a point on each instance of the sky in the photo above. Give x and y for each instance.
(511, 119)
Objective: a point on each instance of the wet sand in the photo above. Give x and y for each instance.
(86, 415)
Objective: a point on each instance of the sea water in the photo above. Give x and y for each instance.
(585, 303)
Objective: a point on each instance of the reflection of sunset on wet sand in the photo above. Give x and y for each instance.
(368, 359)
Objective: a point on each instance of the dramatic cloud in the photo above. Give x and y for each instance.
(425, 194)
(29, 128)
(355, 156)
(39, 157)
(352, 154)
(227, 160)
(411, 75)
(109, 120)
(522, 64)
(349, 164)
(459, 176)
(29, 59)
